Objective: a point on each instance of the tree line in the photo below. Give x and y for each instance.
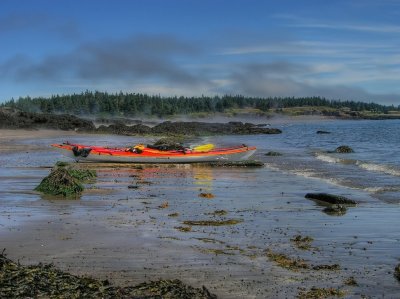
(134, 104)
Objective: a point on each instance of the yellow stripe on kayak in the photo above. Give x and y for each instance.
(204, 148)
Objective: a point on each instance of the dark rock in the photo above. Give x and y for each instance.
(335, 210)
(330, 198)
(246, 163)
(122, 129)
(273, 154)
(397, 272)
(323, 132)
(344, 149)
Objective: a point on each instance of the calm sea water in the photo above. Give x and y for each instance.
(373, 167)
(270, 200)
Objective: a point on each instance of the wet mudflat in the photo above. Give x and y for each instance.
(255, 237)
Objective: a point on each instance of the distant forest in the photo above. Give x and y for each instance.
(134, 104)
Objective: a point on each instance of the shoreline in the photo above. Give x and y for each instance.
(130, 236)
(206, 125)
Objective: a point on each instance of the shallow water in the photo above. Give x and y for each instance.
(125, 235)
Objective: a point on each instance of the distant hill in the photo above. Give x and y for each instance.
(135, 104)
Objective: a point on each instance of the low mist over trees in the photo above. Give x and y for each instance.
(133, 104)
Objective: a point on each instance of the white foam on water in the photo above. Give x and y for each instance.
(379, 168)
(327, 158)
(309, 173)
(382, 189)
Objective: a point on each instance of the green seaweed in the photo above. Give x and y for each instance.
(303, 243)
(65, 181)
(173, 215)
(210, 240)
(206, 195)
(284, 261)
(351, 281)
(62, 164)
(333, 267)
(46, 281)
(218, 213)
(60, 182)
(215, 251)
(82, 175)
(212, 222)
(316, 293)
(184, 229)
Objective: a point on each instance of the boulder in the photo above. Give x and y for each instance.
(344, 149)
(397, 272)
(331, 199)
(273, 154)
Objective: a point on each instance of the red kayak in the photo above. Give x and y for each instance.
(143, 154)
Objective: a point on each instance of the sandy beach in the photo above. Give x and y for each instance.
(131, 235)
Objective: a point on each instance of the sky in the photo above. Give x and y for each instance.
(338, 49)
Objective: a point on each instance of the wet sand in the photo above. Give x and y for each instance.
(129, 235)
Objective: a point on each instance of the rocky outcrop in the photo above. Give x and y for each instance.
(169, 128)
(203, 128)
(122, 129)
(14, 119)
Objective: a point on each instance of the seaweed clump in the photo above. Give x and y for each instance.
(206, 195)
(284, 261)
(303, 243)
(316, 293)
(218, 213)
(213, 222)
(46, 281)
(168, 144)
(65, 181)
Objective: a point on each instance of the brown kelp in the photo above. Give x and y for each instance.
(46, 281)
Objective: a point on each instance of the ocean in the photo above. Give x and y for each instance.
(374, 166)
(124, 233)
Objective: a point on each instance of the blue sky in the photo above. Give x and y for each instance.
(346, 50)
